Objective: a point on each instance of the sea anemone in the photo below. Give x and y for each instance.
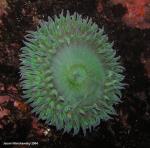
(70, 74)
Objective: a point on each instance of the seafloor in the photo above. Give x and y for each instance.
(127, 24)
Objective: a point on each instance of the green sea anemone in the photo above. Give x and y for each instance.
(70, 74)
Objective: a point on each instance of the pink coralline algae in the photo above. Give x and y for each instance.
(3, 6)
(138, 13)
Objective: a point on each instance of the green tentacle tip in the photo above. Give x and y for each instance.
(70, 74)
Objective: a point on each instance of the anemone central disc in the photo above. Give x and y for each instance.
(77, 72)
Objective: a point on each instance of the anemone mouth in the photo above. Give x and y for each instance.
(70, 73)
(77, 75)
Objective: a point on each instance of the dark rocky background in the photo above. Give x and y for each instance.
(127, 24)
